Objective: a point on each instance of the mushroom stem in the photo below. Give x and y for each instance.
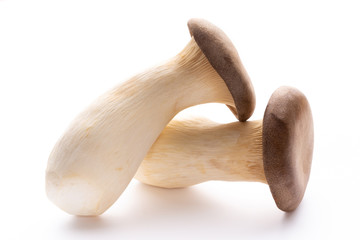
(189, 152)
(93, 162)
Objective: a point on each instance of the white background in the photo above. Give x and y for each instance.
(58, 56)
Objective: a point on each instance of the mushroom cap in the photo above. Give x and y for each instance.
(288, 141)
(224, 58)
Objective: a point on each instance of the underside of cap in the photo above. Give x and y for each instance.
(224, 58)
(288, 140)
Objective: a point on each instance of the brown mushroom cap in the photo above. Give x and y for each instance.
(288, 140)
(224, 58)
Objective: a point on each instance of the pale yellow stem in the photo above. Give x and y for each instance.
(193, 151)
(95, 159)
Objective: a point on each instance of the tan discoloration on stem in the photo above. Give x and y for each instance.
(192, 151)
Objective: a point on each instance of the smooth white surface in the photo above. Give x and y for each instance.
(58, 56)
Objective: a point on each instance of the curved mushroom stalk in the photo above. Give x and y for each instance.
(93, 162)
(276, 150)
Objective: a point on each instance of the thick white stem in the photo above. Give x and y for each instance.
(93, 162)
(193, 151)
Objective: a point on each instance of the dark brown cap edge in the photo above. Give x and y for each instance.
(288, 140)
(224, 58)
